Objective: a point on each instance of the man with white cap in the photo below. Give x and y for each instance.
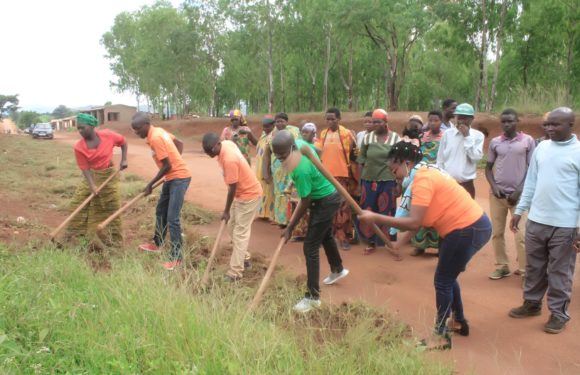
(461, 148)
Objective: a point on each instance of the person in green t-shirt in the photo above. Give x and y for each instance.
(320, 196)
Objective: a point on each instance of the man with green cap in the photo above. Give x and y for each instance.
(461, 148)
(94, 156)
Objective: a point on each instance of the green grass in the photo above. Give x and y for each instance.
(537, 99)
(58, 315)
(117, 312)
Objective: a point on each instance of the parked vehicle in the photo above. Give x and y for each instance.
(43, 130)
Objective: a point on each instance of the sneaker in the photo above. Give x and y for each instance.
(149, 247)
(335, 276)
(554, 325)
(170, 266)
(526, 310)
(345, 245)
(417, 252)
(306, 304)
(500, 273)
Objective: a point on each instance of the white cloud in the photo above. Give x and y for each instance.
(51, 51)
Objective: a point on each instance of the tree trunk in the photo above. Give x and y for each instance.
(498, 38)
(350, 79)
(569, 67)
(393, 92)
(270, 63)
(312, 90)
(482, 54)
(326, 70)
(282, 89)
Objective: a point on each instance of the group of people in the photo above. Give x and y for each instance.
(431, 166)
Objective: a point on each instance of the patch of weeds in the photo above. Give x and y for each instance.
(194, 215)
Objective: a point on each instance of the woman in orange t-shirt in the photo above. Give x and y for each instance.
(434, 199)
(94, 156)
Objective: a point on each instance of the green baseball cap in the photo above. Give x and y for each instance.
(464, 109)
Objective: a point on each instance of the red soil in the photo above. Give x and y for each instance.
(497, 344)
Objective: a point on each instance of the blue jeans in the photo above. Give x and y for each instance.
(168, 212)
(455, 251)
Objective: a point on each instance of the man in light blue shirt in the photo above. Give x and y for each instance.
(552, 196)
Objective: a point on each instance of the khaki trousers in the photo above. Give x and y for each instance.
(499, 209)
(240, 227)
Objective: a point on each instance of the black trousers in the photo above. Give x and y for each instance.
(319, 232)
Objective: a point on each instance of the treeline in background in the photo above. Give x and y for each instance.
(304, 55)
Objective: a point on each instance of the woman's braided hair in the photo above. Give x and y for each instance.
(405, 151)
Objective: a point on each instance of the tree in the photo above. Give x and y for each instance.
(27, 118)
(394, 27)
(8, 105)
(61, 111)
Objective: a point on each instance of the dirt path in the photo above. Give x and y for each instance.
(497, 344)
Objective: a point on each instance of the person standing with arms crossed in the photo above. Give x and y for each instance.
(510, 153)
(167, 155)
(338, 145)
(552, 196)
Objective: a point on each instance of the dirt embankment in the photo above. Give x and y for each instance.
(487, 122)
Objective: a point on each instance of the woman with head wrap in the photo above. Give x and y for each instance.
(239, 133)
(378, 183)
(266, 210)
(94, 156)
(279, 177)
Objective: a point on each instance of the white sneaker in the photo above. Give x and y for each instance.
(306, 304)
(334, 277)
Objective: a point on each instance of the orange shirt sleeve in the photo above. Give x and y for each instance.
(422, 190)
(231, 172)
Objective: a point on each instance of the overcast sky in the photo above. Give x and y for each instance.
(51, 52)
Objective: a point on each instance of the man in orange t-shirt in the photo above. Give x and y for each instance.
(338, 145)
(244, 196)
(167, 155)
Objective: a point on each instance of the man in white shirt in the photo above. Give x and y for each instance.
(461, 148)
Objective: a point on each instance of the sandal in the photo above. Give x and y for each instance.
(459, 326)
(369, 250)
(435, 342)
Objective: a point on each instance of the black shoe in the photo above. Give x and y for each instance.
(526, 310)
(247, 265)
(554, 325)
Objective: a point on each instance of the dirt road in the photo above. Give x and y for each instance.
(497, 344)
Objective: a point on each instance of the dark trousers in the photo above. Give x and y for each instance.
(319, 232)
(551, 259)
(168, 212)
(455, 251)
(469, 186)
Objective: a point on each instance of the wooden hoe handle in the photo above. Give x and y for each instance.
(307, 151)
(55, 232)
(212, 256)
(117, 213)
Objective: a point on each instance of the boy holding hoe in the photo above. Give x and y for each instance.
(320, 196)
